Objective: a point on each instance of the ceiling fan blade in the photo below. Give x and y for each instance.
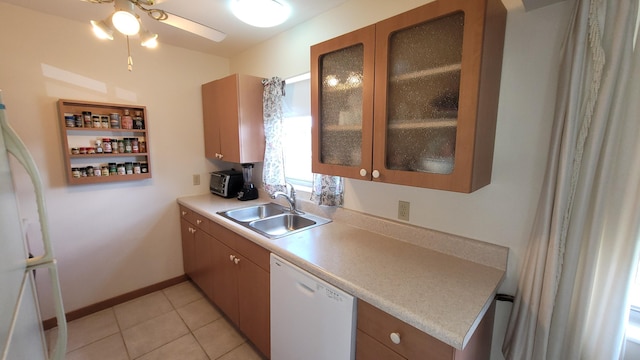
(194, 27)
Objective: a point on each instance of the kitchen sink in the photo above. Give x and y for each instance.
(282, 224)
(273, 220)
(251, 213)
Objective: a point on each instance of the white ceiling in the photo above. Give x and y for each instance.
(213, 13)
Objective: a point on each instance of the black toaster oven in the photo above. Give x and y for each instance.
(226, 183)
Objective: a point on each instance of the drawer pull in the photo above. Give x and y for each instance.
(198, 222)
(184, 213)
(395, 338)
(236, 261)
(231, 257)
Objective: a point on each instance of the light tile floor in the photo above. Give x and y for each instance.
(175, 323)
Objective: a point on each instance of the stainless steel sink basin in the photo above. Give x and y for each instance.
(251, 213)
(282, 224)
(272, 220)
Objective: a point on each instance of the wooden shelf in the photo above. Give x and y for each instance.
(83, 135)
(435, 123)
(107, 179)
(428, 72)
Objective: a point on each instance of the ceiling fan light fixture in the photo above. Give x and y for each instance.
(102, 30)
(148, 39)
(261, 13)
(126, 22)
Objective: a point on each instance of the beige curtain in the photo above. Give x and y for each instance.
(571, 301)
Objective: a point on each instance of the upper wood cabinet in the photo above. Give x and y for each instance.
(413, 99)
(233, 125)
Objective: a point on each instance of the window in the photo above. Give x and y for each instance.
(297, 131)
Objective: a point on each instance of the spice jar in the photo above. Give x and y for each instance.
(96, 121)
(143, 147)
(75, 151)
(144, 167)
(121, 170)
(113, 169)
(83, 151)
(114, 120)
(127, 145)
(78, 120)
(69, 120)
(105, 170)
(89, 170)
(126, 122)
(128, 168)
(121, 146)
(104, 119)
(136, 168)
(97, 171)
(106, 146)
(134, 145)
(138, 122)
(99, 147)
(75, 172)
(86, 117)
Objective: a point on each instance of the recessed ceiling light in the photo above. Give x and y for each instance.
(261, 13)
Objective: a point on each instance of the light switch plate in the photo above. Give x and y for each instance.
(196, 179)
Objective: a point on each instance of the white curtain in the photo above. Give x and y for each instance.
(571, 301)
(327, 190)
(273, 169)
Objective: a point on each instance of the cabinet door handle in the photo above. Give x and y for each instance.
(375, 174)
(363, 172)
(236, 261)
(395, 338)
(198, 222)
(231, 257)
(184, 213)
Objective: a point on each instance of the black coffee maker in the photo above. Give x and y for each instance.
(248, 191)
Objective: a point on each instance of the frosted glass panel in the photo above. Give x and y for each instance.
(423, 89)
(341, 106)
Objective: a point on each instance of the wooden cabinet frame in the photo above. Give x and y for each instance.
(480, 72)
(77, 107)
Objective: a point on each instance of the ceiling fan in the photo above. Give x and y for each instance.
(124, 11)
(126, 21)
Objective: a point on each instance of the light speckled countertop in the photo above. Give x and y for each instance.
(438, 293)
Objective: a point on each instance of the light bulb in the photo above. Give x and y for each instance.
(101, 30)
(261, 13)
(126, 22)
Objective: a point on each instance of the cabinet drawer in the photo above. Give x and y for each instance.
(414, 344)
(194, 218)
(253, 252)
(368, 348)
(223, 234)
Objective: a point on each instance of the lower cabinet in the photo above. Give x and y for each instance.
(381, 336)
(233, 272)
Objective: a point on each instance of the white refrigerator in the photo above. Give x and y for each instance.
(21, 333)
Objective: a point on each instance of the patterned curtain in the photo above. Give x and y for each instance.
(273, 170)
(327, 190)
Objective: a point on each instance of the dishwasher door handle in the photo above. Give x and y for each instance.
(304, 288)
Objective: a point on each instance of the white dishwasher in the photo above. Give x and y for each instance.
(310, 319)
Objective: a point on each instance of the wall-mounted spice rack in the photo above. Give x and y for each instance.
(104, 142)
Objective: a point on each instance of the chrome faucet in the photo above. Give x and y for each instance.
(291, 198)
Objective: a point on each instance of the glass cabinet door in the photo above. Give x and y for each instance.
(422, 95)
(342, 101)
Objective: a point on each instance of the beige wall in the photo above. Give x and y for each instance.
(500, 213)
(110, 238)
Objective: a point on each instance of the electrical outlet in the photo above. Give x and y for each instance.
(403, 210)
(196, 179)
